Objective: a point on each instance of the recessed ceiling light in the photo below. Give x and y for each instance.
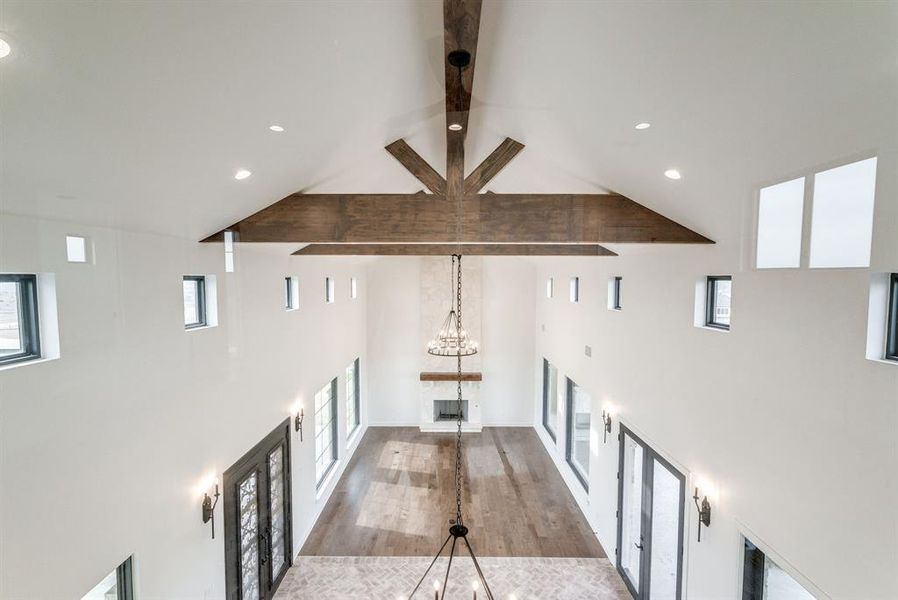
(643, 125)
(242, 174)
(455, 127)
(5, 49)
(672, 174)
(276, 128)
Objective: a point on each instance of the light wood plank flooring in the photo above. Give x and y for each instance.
(397, 496)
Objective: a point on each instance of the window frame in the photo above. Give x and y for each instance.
(353, 288)
(550, 288)
(289, 300)
(28, 318)
(569, 446)
(333, 426)
(356, 412)
(575, 290)
(549, 430)
(330, 290)
(711, 300)
(891, 351)
(615, 299)
(201, 312)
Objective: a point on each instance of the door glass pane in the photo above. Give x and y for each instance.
(10, 332)
(248, 496)
(779, 585)
(105, 590)
(276, 495)
(665, 533)
(631, 513)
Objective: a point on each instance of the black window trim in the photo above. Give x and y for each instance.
(29, 318)
(200, 301)
(711, 301)
(548, 429)
(569, 445)
(357, 400)
(892, 330)
(616, 290)
(288, 293)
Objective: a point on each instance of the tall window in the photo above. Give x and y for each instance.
(550, 398)
(575, 289)
(763, 579)
(550, 287)
(194, 301)
(780, 214)
(325, 430)
(353, 398)
(353, 288)
(19, 331)
(892, 334)
(718, 301)
(579, 415)
(118, 585)
(329, 290)
(291, 293)
(615, 293)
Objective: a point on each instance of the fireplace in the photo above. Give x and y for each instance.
(447, 410)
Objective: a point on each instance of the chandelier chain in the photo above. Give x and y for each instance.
(458, 411)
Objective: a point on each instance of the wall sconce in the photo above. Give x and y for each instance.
(704, 512)
(606, 419)
(209, 508)
(297, 422)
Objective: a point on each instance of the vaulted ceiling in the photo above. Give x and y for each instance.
(137, 115)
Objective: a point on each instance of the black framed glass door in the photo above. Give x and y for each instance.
(651, 500)
(257, 508)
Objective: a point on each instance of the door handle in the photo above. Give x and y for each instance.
(263, 558)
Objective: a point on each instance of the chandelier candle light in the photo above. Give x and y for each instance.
(452, 341)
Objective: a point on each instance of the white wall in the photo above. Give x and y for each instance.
(394, 345)
(101, 450)
(784, 413)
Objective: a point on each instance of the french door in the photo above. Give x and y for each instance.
(257, 508)
(651, 496)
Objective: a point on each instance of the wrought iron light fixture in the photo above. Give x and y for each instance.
(209, 508)
(704, 512)
(452, 339)
(457, 532)
(297, 422)
(606, 419)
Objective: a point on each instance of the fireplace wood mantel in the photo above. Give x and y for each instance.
(450, 376)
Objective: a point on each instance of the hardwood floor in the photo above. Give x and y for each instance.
(397, 495)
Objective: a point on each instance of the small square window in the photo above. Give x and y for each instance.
(892, 333)
(718, 301)
(353, 288)
(329, 290)
(550, 287)
(76, 249)
(842, 219)
(291, 293)
(19, 333)
(194, 301)
(575, 289)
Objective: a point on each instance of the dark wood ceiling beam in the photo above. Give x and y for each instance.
(492, 164)
(417, 166)
(447, 249)
(461, 28)
(485, 218)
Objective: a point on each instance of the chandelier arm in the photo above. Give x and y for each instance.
(486, 586)
(420, 581)
(448, 567)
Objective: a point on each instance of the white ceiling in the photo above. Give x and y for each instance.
(136, 115)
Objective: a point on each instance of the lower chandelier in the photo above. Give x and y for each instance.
(453, 341)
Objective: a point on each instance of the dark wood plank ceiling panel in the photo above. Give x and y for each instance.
(447, 249)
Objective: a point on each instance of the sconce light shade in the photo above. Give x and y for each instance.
(704, 513)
